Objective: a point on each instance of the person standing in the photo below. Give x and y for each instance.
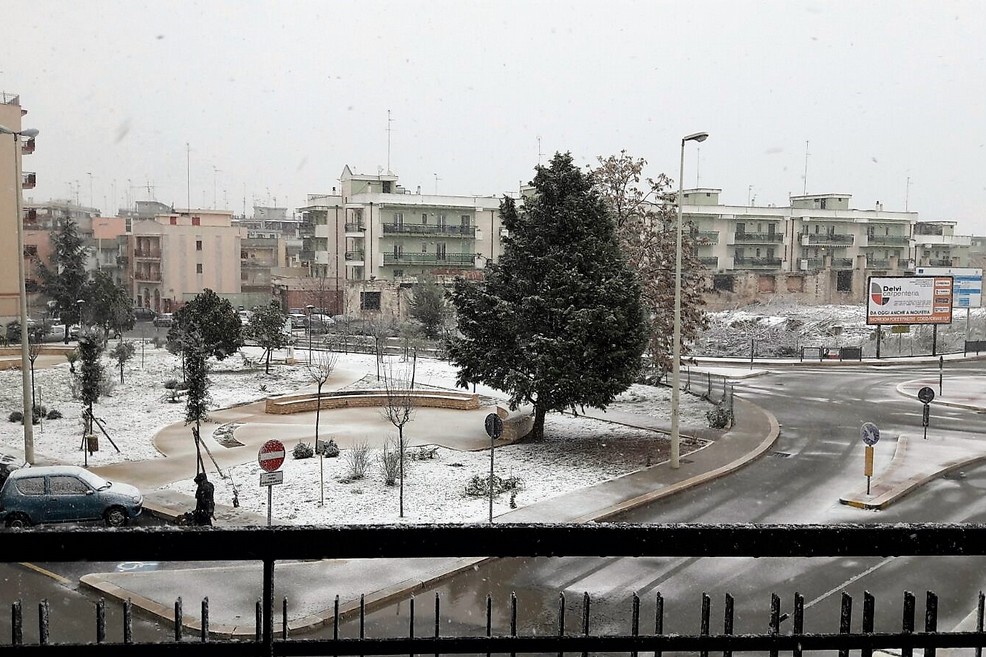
(205, 504)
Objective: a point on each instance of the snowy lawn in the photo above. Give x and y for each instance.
(577, 451)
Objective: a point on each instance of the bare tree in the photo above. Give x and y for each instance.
(399, 410)
(321, 366)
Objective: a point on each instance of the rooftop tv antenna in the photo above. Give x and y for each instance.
(805, 190)
(389, 131)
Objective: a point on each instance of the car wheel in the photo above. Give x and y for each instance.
(18, 520)
(115, 517)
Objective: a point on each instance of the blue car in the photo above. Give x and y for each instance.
(66, 493)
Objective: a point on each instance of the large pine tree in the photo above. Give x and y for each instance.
(65, 280)
(558, 321)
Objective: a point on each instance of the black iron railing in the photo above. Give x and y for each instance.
(270, 545)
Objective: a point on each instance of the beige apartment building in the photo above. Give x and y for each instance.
(178, 254)
(13, 180)
(373, 235)
(818, 249)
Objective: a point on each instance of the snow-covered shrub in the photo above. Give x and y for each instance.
(15, 416)
(329, 449)
(720, 417)
(40, 410)
(423, 453)
(106, 386)
(390, 462)
(303, 451)
(357, 461)
(479, 485)
(54, 414)
(171, 384)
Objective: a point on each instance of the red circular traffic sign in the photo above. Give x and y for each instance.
(271, 455)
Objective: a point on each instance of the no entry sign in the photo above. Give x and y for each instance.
(271, 455)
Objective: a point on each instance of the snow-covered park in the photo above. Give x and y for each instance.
(577, 451)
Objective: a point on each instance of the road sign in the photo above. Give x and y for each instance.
(271, 478)
(926, 394)
(271, 455)
(869, 433)
(494, 426)
(926, 415)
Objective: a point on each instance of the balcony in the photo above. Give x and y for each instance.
(468, 232)
(759, 238)
(861, 625)
(147, 254)
(355, 228)
(757, 263)
(711, 262)
(704, 237)
(842, 263)
(827, 238)
(353, 256)
(939, 262)
(887, 240)
(446, 260)
(147, 276)
(29, 180)
(27, 146)
(122, 260)
(877, 264)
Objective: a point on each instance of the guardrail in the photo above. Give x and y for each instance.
(573, 633)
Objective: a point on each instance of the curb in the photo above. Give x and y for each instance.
(938, 400)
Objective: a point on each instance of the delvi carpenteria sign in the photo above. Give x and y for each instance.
(909, 300)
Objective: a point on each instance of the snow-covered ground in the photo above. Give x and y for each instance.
(577, 452)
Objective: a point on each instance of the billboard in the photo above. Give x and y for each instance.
(967, 284)
(909, 300)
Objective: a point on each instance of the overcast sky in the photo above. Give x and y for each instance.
(274, 98)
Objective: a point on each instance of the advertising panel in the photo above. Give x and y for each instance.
(967, 284)
(909, 300)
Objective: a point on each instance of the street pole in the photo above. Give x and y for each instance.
(309, 308)
(28, 409)
(676, 346)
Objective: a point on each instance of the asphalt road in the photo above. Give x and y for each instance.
(818, 457)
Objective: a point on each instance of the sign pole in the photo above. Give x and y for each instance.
(270, 497)
(492, 439)
(321, 479)
(941, 367)
(868, 466)
(879, 334)
(494, 429)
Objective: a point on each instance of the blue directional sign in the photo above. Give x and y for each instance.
(869, 433)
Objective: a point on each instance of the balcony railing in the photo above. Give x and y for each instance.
(887, 240)
(758, 263)
(446, 260)
(354, 255)
(877, 264)
(29, 180)
(842, 262)
(152, 254)
(147, 277)
(707, 237)
(355, 228)
(429, 229)
(763, 238)
(711, 262)
(829, 238)
(875, 628)
(941, 262)
(27, 146)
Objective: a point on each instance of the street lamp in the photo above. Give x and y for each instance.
(309, 308)
(30, 133)
(80, 305)
(676, 348)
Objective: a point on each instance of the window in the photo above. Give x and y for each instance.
(196, 221)
(464, 220)
(31, 486)
(722, 282)
(424, 247)
(398, 218)
(424, 217)
(398, 273)
(198, 268)
(67, 486)
(198, 246)
(174, 221)
(30, 251)
(843, 281)
(369, 300)
(440, 251)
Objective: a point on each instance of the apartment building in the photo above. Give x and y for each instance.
(817, 249)
(13, 180)
(178, 254)
(373, 235)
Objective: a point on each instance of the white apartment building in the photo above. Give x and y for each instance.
(372, 235)
(817, 249)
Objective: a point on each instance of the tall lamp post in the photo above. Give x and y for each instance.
(676, 347)
(309, 308)
(22, 276)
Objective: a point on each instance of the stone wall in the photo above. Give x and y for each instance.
(288, 404)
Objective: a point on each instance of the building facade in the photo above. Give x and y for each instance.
(177, 255)
(372, 236)
(13, 180)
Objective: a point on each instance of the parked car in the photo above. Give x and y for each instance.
(163, 320)
(320, 323)
(142, 314)
(66, 493)
(298, 320)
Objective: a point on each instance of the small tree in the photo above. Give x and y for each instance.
(266, 328)
(91, 372)
(34, 349)
(319, 369)
(64, 281)
(108, 305)
(121, 353)
(399, 410)
(214, 319)
(429, 307)
(197, 395)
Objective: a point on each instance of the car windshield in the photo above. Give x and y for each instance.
(94, 480)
